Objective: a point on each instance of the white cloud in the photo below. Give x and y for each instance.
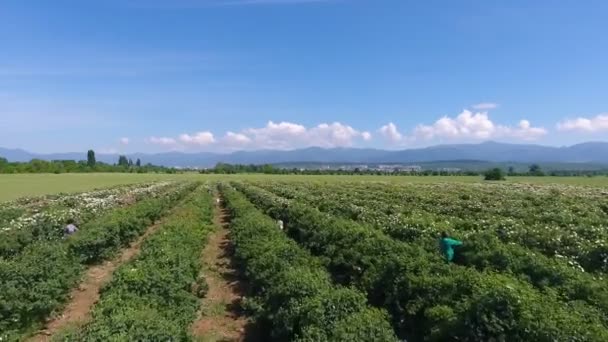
(277, 135)
(200, 138)
(124, 141)
(285, 135)
(282, 135)
(464, 127)
(594, 124)
(391, 133)
(165, 141)
(235, 139)
(525, 131)
(485, 106)
(333, 135)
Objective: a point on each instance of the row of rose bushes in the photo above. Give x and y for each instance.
(293, 295)
(555, 220)
(155, 297)
(427, 298)
(482, 250)
(46, 219)
(36, 282)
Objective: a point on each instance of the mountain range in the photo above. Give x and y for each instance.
(589, 152)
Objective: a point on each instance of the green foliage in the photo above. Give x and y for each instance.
(71, 166)
(495, 174)
(102, 237)
(45, 217)
(295, 296)
(123, 161)
(91, 158)
(535, 170)
(429, 299)
(37, 281)
(151, 298)
(555, 220)
(34, 284)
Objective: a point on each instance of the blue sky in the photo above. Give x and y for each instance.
(221, 75)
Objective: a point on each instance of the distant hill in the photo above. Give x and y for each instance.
(493, 152)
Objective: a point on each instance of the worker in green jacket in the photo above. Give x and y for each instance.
(447, 245)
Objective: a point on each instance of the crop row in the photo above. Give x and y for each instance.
(482, 250)
(428, 298)
(294, 295)
(37, 281)
(154, 296)
(13, 212)
(21, 225)
(562, 221)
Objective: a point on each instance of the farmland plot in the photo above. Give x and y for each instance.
(383, 240)
(352, 261)
(563, 221)
(156, 295)
(484, 249)
(32, 219)
(293, 294)
(35, 282)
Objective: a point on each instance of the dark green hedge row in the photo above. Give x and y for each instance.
(427, 298)
(294, 294)
(482, 250)
(37, 282)
(151, 298)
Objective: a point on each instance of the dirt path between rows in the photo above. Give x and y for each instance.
(221, 317)
(82, 298)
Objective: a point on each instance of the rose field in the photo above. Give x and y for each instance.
(205, 258)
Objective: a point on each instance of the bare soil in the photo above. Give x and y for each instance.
(221, 317)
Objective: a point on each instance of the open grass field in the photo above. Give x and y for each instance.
(21, 185)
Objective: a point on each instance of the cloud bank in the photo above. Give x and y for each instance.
(282, 135)
(598, 123)
(464, 127)
(468, 126)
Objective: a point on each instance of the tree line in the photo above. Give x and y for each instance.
(123, 164)
(492, 174)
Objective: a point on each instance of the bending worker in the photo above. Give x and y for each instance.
(447, 245)
(70, 228)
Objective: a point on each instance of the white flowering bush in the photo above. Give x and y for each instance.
(550, 219)
(37, 281)
(544, 243)
(28, 220)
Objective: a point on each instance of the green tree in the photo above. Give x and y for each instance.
(123, 161)
(494, 174)
(130, 162)
(91, 158)
(535, 170)
(138, 163)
